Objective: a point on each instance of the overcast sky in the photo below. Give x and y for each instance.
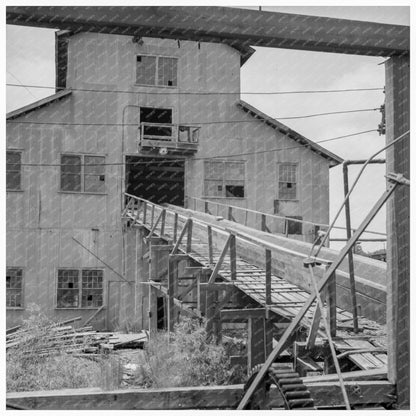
(30, 61)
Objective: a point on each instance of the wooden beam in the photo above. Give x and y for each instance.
(181, 398)
(220, 260)
(293, 325)
(331, 305)
(255, 342)
(233, 257)
(398, 229)
(231, 314)
(225, 25)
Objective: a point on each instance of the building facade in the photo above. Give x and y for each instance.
(160, 119)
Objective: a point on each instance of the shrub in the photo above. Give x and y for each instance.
(35, 364)
(185, 360)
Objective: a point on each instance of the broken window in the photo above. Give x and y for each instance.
(92, 288)
(293, 227)
(224, 179)
(14, 287)
(156, 70)
(13, 171)
(287, 181)
(73, 292)
(153, 116)
(81, 173)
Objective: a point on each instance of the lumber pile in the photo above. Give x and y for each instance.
(63, 338)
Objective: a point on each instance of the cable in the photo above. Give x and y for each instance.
(195, 123)
(21, 85)
(201, 93)
(200, 158)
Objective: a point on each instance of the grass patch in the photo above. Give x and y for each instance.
(185, 360)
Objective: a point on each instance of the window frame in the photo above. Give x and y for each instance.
(157, 56)
(19, 188)
(289, 219)
(279, 181)
(22, 290)
(224, 181)
(80, 292)
(83, 174)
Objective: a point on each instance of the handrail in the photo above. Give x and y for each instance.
(276, 216)
(227, 231)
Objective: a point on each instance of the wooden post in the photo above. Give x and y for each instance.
(189, 237)
(230, 213)
(172, 271)
(162, 227)
(153, 214)
(350, 253)
(263, 222)
(144, 212)
(255, 342)
(398, 228)
(268, 281)
(210, 248)
(211, 300)
(331, 304)
(206, 210)
(233, 257)
(175, 227)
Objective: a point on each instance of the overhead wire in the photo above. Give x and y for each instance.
(204, 158)
(199, 93)
(194, 123)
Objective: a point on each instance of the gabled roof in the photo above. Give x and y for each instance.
(334, 160)
(37, 104)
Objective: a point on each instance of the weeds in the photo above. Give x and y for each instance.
(185, 360)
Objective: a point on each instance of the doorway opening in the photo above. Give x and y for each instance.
(157, 179)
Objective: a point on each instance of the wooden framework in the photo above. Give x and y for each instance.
(294, 32)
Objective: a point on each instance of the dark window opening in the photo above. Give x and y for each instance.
(294, 227)
(236, 191)
(156, 116)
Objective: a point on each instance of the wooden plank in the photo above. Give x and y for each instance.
(255, 342)
(313, 330)
(181, 398)
(398, 228)
(243, 313)
(331, 304)
(222, 24)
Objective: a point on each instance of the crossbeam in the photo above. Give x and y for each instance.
(223, 25)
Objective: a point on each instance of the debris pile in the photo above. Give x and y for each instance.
(60, 337)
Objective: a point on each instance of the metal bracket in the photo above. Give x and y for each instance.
(397, 177)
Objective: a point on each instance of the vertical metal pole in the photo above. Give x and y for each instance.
(350, 252)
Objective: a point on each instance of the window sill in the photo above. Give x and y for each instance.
(14, 190)
(287, 200)
(15, 308)
(224, 197)
(81, 193)
(169, 87)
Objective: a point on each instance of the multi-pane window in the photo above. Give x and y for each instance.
(224, 179)
(81, 173)
(287, 181)
(13, 170)
(156, 70)
(152, 117)
(80, 288)
(14, 287)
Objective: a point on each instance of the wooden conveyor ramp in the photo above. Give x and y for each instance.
(202, 237)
